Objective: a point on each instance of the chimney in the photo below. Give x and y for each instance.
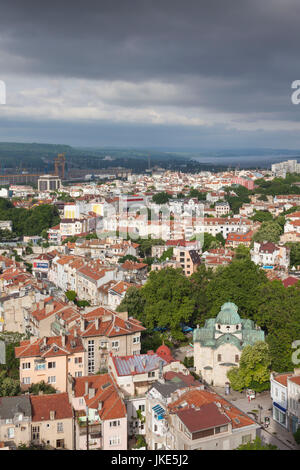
(41, 304)
(86, 387)
(97, 323)
(75, 333)
(32, 339)
(82, 324)
(63, 340)
(49, 307)
(52, 415)
(91, 392)
(100, 405)
(123, 315)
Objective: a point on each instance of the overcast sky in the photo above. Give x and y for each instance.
(188, 73)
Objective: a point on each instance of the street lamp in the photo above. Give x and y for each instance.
(260, 409)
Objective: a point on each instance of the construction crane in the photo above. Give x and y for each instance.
(59, 165)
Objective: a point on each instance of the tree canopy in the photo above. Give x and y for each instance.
(254, 369)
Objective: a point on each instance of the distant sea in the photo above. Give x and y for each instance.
(247, 161)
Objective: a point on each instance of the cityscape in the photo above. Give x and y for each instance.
(149, 229)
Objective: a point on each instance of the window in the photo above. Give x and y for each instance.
(51, 379)
(78, 374)
(151, 374)
(26, 365)
(51, 365)
(81, 401)
(114, 440)
(114, 424)
(237, 358)
(221, 429)
(26, 380)
(246, 439)
(60, 443)
(142, 407)
(78, 360)
(219, 357)
(136, 339)
(11, 433)
(115, 344)
(35, 433)
(60, 427)
(91, 352)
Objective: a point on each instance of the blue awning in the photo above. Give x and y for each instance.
(279, 407)
(159, 411)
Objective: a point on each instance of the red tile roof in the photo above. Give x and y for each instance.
(208, 416)
(106, 391)
(196, 399)
(43, 404)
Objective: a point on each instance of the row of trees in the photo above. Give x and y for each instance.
(169, 299)
(29, 221)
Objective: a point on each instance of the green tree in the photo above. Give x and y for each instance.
(168, 300)
(239, 282)
(129, 258)
(8, 386)
(161, 198)
(256, 445)
(262, 216)
(268, 231)
(254, 369)
(242, 252)
(42, 386)
(133, 303)
(71, 295)
(297, 436)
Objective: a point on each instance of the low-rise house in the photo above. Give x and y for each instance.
(98, 398)
(293, 392)
(160, 394)
(269, 255)
(104, 331)
(52, 421)
(15, 420)
(202, 420)
(51, 359)
(135, 374)
(235, 239)
(280, 397)
(285, 394)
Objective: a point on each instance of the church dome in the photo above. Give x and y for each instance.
(228, 315)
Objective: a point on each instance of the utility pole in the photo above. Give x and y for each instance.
(87, 428)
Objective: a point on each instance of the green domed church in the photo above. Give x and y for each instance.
(219, 344)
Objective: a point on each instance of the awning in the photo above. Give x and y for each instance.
(159, 411)
(279, 407)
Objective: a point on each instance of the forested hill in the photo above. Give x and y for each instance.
(18, 157)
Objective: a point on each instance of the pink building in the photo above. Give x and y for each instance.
(50, 360)
(246, 182)
(98, 397)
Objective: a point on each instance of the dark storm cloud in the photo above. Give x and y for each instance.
(230, 56)
(250, 40)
